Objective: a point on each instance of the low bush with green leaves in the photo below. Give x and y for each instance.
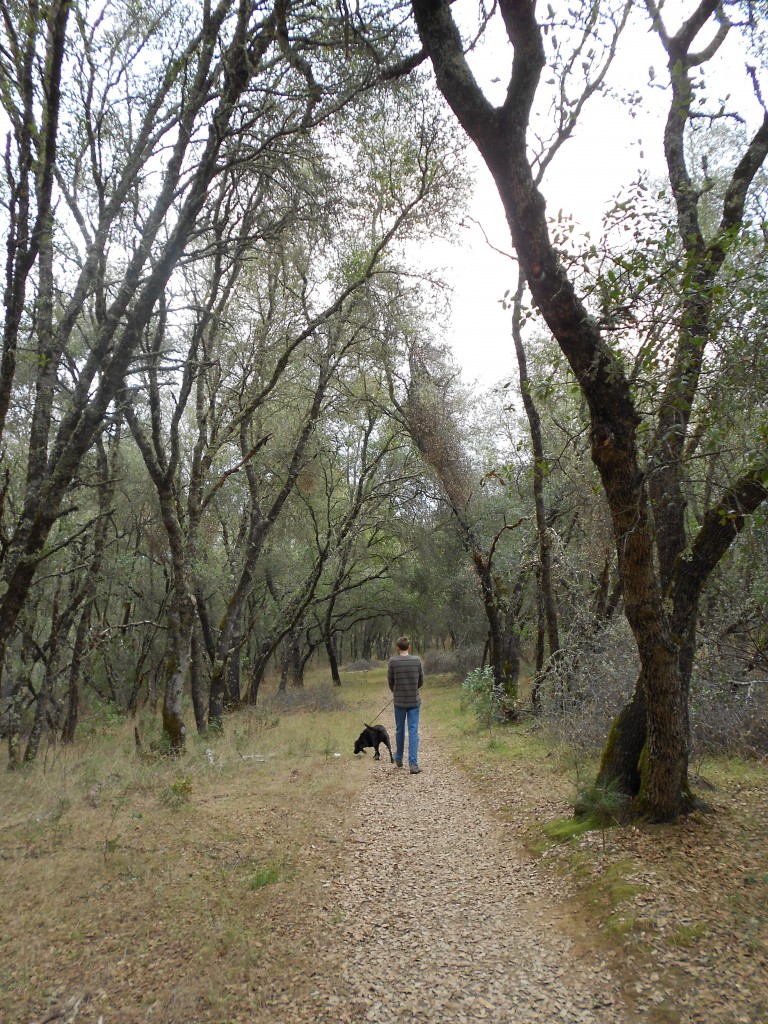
(478, 694)
(178, 794)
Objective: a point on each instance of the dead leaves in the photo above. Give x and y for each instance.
(442, 916)
(66, 1012)
(420, 903)
(691, 929)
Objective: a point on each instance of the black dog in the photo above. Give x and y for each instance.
(372, 736)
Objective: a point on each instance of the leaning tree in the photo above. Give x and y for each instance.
(664, 558)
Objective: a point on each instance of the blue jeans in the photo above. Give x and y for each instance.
(411, 715)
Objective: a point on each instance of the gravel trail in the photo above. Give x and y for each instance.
(443, 916)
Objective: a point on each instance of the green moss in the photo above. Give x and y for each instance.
(609, 748)
(641, 807)
(562, 830)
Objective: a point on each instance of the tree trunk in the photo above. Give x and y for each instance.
(234, 663)
(173, 721)
(205, 623)
(216, 695)
(283, 684)
(330, 650)
(180, 627)
(623, 750)
(540, 467)
(366, 647)
(196, 682)
(14, 725)
(540, 642)
(512, 661)
(75, 674)
(297, 662)
(257, 675)
(41, 711)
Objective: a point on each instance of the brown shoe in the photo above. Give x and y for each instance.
(414, 769)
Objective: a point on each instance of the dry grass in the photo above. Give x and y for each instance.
(148, 888)
(200, 890)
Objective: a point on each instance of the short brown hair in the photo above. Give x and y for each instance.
(403, 643)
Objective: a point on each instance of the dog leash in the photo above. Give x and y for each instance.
(382, 711)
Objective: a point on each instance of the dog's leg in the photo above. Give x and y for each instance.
(389, 748)
(377, 755)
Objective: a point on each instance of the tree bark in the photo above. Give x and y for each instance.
(544, 577)
(500, 135)
(196, 682)
(333, 663)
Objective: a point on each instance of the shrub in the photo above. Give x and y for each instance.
(582, 694)
(728, 719)
(303, 699)
(479, 695)
(100, 716)
(591, 682)
(440, 662)
(178, 794)
(603, 805)
(458, 662)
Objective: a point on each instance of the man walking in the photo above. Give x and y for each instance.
(405, 676)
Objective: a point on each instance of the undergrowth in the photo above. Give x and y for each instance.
(198, 867)
(202, 868)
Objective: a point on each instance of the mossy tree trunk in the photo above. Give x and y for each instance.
(661, 571)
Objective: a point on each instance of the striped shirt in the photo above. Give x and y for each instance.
(405, 676)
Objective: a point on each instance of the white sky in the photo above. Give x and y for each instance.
(608, 150)
(580, 183)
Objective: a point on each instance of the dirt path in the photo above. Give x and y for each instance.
(443, 918)
(312, 886)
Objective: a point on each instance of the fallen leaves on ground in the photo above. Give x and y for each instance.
(343, 891)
